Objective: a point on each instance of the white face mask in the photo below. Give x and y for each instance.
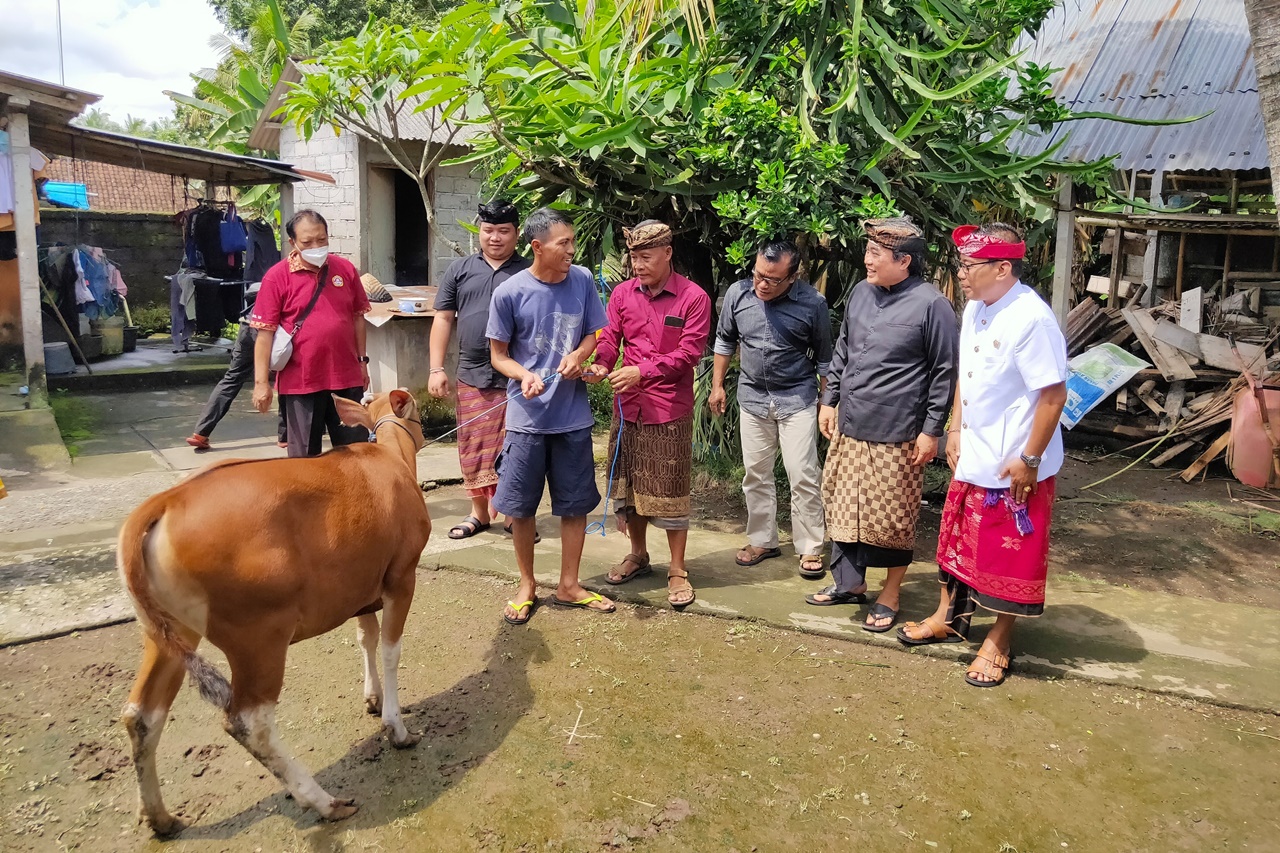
(315, 257)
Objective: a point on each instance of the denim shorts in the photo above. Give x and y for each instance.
(564, 461)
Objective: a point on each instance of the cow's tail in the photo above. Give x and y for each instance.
(131, 561)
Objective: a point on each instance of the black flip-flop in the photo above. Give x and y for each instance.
(583, 603)
(879, 611)
(469, 526)
(836, 597)
(537, 537)
(767, 554)
(531, 604)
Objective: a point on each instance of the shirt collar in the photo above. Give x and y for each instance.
(673, 286)
(1004, 301)
(296, 264)
(479, 258)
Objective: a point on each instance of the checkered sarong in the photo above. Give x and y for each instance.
(872, 492)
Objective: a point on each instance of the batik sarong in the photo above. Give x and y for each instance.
(994, 551)
(479, 442)
(653, 472)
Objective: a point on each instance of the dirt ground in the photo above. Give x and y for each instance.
(1140, 529)
(644, 730)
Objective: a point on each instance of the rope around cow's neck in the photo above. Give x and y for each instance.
(546, 379)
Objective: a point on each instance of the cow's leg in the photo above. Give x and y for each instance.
(367, 635)
(395, 610)
(256, 678)
(159, 679)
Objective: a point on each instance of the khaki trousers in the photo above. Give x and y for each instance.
(797, 437)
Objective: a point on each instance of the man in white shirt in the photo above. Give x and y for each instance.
(1004, 446)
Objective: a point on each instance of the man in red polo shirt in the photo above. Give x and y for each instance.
(329, 348)
(660, 320)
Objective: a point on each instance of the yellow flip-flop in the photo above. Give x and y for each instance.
(584, 603)
(518, 607)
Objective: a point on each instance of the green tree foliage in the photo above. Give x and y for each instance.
(792, 117)
(184, 127)
(336, 19)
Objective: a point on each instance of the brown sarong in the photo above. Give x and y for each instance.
(479, 442)
(871, 492)
(654, 468)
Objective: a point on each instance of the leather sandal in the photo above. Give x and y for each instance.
(938, 633)
(992, 664)
(642, 567)
(811, 567)
(688, 587)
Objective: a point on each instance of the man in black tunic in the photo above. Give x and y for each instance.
(885, 405)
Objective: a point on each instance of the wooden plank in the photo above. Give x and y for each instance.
(1182, 258)
(1122, 400)
(1180, 447)
(1173, 401)
(1176, 336)
(1192, 310)
(1101, 285)
(1216, 352)
(1202, 461)
(1146, 393)
(1167, 359)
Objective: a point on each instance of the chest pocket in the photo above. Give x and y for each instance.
(902, 340)
(669, 335)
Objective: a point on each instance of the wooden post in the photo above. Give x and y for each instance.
(286, 213)
(1150, 262)
(1182, 255)
(1117, 259)
(24, 222)
(1233, 204)
(1226, 269)
(1064, 252)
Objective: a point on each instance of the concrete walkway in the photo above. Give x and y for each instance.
(57, 569)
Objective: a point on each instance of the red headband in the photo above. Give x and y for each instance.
(972, 244)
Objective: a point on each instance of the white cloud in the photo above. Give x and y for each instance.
(128, 51)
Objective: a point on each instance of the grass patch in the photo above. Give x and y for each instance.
(1252, 520)
(76, 420)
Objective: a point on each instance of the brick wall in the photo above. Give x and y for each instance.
(456, 195)
(145, 246)
(337, 203)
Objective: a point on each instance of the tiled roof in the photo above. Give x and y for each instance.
(120, 188)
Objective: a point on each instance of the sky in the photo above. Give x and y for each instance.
(128, 51)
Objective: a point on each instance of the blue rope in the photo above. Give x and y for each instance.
(546, 380)
(602, 526)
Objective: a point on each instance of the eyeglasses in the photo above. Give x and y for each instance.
(772, 282)
(961, 268)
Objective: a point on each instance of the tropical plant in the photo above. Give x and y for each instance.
(336, 19)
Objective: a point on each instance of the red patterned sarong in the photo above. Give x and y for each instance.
(981, 546)
(479, 442)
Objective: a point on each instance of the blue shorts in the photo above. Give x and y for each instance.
(565, 461)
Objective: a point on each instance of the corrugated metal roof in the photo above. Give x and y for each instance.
(1153, 59)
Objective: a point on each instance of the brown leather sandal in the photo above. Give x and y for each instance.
(938, 633)
(680, 589)
(641, 564)
(991, 664)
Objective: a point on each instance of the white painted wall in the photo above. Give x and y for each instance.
(337, 203)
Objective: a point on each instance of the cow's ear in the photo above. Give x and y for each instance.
(351, 413)
(403, 404)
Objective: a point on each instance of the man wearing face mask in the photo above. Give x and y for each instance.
(318, 298)
(659, 321)
(464, 296)
(782, 329)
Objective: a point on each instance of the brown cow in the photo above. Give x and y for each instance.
(256, 555)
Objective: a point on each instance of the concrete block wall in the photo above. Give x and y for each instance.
(145, 246)
(456, 195)
(337, 156)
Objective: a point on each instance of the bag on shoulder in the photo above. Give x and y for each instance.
(282, 341)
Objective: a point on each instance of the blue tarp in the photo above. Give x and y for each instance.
(65, 194)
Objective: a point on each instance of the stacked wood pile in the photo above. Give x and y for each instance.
(1184, 401)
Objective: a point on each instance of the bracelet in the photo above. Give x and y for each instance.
(437, 370)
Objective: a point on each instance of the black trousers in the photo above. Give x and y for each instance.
(308, 416)
(239, 373)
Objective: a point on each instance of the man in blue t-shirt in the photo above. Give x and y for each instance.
(542, 327)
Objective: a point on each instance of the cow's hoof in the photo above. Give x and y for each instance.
(166, 826)
(409, 740)
(373, 705)
(340, 809)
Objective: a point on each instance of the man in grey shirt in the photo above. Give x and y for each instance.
(782, 328)
(892, 378)
(463, 300)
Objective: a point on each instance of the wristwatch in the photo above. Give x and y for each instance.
(1032, 462)
(363, 359)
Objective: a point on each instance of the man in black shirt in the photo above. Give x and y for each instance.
(463, 299)
(892, 378)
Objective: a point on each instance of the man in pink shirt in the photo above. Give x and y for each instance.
(318, 298)
(660, 321)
